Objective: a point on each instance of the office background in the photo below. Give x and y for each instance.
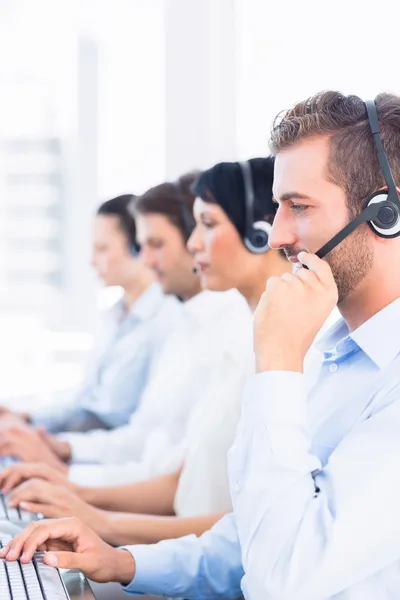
(99, 98)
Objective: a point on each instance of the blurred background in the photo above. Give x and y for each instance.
(100, 98)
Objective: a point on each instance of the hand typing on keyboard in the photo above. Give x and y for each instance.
(31, 581)
(17, 473)
(70, 544)
(28, 445)
(54, 501)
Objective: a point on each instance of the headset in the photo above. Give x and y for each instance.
(187, 216)
(382, 208)
(257, 233)
(134, 249)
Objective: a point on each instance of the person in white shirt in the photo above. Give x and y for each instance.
(151, 444)
(198, 493)
(314, 469)
(135, 329)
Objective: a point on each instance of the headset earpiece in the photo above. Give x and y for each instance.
(256, 239)
(134, 250)
(387, 222)
(382, 210)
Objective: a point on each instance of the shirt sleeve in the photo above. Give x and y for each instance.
(115, 395)
(57, 420)
(106, 475)
(191, 567)
(103, 446)
(307, 532)
(159, 455)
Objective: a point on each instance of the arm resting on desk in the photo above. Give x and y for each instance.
(119, 529)
(155, 496)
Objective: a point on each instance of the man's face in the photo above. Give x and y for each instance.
(162, 248)
(312, 210)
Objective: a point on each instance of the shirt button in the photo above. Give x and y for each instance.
(333, 367)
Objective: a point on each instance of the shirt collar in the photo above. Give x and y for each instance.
(378, 338)
(144, 308)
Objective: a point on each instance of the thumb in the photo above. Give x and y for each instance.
(89, 563)
(67, 560)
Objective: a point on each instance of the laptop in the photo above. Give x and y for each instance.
(37, 581)
(14, 515)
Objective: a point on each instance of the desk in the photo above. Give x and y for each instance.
(113, 591)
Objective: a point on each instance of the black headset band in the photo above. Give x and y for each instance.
(370, 213)
(248, 194)
(186, 214)
(383, 160)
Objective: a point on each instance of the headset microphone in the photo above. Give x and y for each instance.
(382, 208)
(368, 215)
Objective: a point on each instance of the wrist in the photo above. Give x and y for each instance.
(125, 566)
(61, 466)
(282, 360)
(99, 521)
(84, 493)
(76, 489)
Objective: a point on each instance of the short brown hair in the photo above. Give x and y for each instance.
(353, 161)
(173, 199)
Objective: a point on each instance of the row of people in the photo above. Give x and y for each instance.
(313, 467)
(190, 473)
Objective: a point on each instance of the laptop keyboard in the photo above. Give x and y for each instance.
(15, 515)
(7, 461)
(32, 581)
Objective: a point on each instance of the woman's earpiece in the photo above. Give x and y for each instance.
(256, 239)
(134, 249)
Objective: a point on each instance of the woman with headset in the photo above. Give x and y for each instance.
(233, 213)
(134, 330)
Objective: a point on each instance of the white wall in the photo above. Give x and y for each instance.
(131, 96)
(287, 51)
(200, 107)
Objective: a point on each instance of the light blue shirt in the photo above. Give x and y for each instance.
(315, 484)
(120, 372)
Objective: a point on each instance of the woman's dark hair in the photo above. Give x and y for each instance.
(223, 184)
(119, 207)
(174, 200)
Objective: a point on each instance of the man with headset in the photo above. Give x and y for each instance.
(314, 474)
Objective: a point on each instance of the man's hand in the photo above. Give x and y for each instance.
(9, 419)
(55, 501)
(7, 412)
(72, 545)
(16, 474)
(4, 411)
(291, 312)
(27, 444)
